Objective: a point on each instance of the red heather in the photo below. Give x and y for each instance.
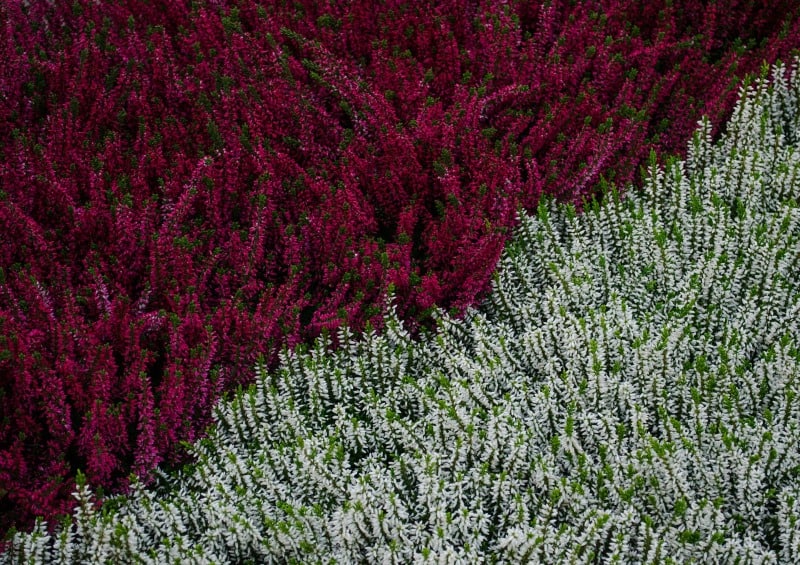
(186, 185)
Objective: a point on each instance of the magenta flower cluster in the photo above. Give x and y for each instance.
(187, 185)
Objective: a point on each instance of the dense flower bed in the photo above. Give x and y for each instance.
(627, 394)
(187, 185)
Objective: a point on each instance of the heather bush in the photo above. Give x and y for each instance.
(627, 393)
(188, 184)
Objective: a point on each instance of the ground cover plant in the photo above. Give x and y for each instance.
(628, 392)
(187, 185)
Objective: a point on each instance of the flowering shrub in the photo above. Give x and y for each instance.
(187, 184)
(628, 392)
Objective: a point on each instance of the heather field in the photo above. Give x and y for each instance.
(191, 190)
(628, 393)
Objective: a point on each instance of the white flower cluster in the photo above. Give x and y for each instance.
(629, 393)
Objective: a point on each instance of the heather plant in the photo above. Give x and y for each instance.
(185, 185)
(628, 392)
